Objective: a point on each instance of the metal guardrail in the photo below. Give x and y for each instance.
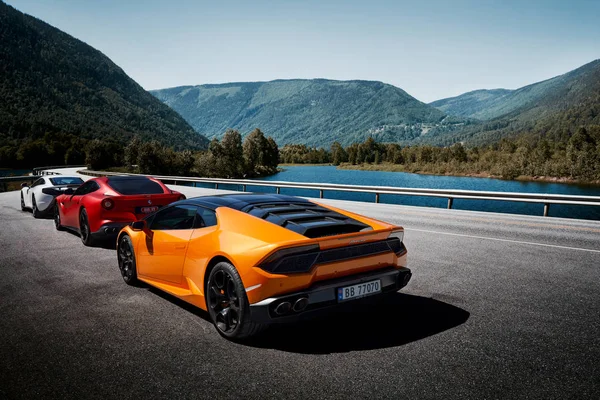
(6, 179)
(23, 178)
(450, 194)
(43, 170)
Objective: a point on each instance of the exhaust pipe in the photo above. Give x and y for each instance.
(300, 304)
(404, 279)
(283, 308)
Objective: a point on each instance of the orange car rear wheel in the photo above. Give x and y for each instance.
(227, 303)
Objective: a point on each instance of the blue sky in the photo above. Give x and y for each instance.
(431, 49)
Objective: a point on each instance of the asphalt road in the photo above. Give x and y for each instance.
(500, 306)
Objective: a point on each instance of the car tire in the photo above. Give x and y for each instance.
(126, 259)
(224, 286)
(57, 223)
(34, 209)
(23, 208)
(84, 229)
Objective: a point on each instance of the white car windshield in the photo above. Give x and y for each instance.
(66, 180)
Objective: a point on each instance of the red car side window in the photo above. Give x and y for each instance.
(88, 187)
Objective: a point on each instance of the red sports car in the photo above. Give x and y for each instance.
(100, 207)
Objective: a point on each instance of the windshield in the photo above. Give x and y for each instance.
(66, 180)
(135, 186)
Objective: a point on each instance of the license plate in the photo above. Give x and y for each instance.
(147, 210)
(359, 290)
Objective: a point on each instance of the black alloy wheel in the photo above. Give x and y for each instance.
(227, 303)
(34, 210)
(126, 258)
(23, 208)
(57, 223)
(84, 229)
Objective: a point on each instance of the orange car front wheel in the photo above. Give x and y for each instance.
(227, 303)
(126, 258)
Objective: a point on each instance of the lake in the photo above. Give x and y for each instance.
(330, 174)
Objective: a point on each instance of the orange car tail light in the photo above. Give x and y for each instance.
(302, 259)
(395, 241)
(290, 260)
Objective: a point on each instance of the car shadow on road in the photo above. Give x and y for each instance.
(401, 319)
(366, 325)
(101, 244)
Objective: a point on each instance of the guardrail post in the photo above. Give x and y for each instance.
(376, 197)
(320, 193)
(278, 190)
(174, 182)
(243, 188)
(546, 209)
(216, 185)
(450, 201)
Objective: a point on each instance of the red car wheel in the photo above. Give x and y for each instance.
(84, 229)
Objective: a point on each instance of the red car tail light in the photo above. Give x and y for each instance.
(107, 204)
(182, 197)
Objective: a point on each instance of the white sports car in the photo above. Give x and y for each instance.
(39, 197)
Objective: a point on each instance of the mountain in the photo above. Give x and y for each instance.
(573, 88)
(314, 112)
(554, 108)
(476, 104)
(52, 83)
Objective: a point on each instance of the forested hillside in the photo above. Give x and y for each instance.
(57, 93)
(313, 112)
(475, 104)
(554, 109)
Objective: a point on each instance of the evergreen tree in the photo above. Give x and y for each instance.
(338, 154)
(132, 151)
(272, 154)
(255, 147)
(102, 154)
(232, 154)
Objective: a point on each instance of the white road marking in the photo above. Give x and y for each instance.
(506, 240)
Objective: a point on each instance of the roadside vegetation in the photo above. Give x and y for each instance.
(230, 157)
(527, 156)
(524, 157)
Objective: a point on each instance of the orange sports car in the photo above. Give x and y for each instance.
(251, 260)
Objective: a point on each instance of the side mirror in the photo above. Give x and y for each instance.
(51, 191)
(138, 225)
(24, 185)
